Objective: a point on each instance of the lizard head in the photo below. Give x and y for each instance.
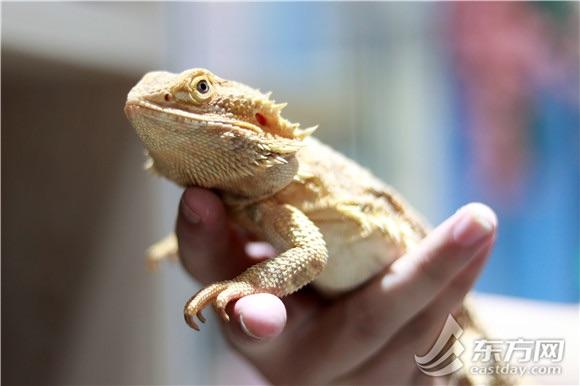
(203, 130)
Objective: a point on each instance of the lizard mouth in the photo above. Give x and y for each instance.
(166, 114)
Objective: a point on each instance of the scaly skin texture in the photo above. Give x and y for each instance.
(334, 224)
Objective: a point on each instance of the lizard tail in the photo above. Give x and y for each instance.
(199, 301)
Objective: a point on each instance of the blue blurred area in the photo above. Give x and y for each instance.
(516, 142)
(537, 251)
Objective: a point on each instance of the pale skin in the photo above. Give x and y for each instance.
(368, 336)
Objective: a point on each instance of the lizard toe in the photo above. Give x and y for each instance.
(199, 301)
(232, 292)
(218, 294)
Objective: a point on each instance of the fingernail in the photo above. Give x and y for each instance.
(189, 214)
(246, 330)
(476, 222)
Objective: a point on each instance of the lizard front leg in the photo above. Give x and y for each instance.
(304, 256)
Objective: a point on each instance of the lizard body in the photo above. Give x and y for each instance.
(333, 223)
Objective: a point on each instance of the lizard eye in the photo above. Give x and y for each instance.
(202, 86)
(201, 89)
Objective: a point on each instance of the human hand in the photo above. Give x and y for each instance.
(367, 336)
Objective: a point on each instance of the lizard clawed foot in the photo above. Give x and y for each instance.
(218, 294)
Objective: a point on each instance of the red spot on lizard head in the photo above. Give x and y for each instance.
(261, 119)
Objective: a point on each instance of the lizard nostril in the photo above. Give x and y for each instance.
(167, 97)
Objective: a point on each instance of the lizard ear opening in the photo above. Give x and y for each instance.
(261, 119)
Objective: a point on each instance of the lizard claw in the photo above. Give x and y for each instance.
(200, 316)
(218, 294)
(191, 321)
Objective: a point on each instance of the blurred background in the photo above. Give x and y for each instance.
(449, 103)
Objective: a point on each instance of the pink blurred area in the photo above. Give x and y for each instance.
(505, 52)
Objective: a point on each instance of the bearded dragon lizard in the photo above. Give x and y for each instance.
(334, 223)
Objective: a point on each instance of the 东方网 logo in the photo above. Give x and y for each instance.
(443, 358)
